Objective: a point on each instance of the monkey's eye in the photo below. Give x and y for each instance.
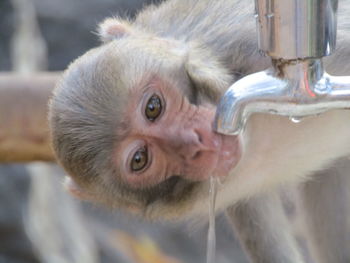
(153, 108)
(139, 160)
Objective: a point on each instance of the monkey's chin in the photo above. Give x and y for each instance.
(229, 155)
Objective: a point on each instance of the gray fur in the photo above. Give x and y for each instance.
(212, 43)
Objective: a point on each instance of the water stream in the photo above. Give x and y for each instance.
(211, 242)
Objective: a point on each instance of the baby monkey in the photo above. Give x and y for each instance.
(132, 120)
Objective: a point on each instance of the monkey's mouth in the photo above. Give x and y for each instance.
(229, 154)
(217, 162)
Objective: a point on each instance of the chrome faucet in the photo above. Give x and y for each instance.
(296, 34)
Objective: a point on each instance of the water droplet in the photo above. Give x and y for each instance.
(296, 119)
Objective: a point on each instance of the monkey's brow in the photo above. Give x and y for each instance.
(146, 87)
(143, 93)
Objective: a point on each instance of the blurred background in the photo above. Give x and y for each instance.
(39, 222)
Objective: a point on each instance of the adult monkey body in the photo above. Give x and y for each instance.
(131, 122)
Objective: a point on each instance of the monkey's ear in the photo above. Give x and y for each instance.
(113, 28)
(75, 190)
(207, 74)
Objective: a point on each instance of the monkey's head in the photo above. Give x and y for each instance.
(131, 122)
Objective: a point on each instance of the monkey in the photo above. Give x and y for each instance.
(132, 122)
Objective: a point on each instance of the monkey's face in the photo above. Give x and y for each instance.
(170, 136)
(132, 123)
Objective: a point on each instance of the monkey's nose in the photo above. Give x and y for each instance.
(198, 141)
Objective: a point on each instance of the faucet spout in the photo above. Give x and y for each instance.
(296, 35)
(257, 92)
(295, 89)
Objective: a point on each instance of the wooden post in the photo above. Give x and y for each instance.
(24, 134)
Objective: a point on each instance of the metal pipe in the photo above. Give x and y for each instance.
(295, 29)
(304, 90)
(296, 34)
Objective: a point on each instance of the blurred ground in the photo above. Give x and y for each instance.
(39, 222)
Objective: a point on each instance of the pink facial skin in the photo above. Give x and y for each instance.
(180, 141)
